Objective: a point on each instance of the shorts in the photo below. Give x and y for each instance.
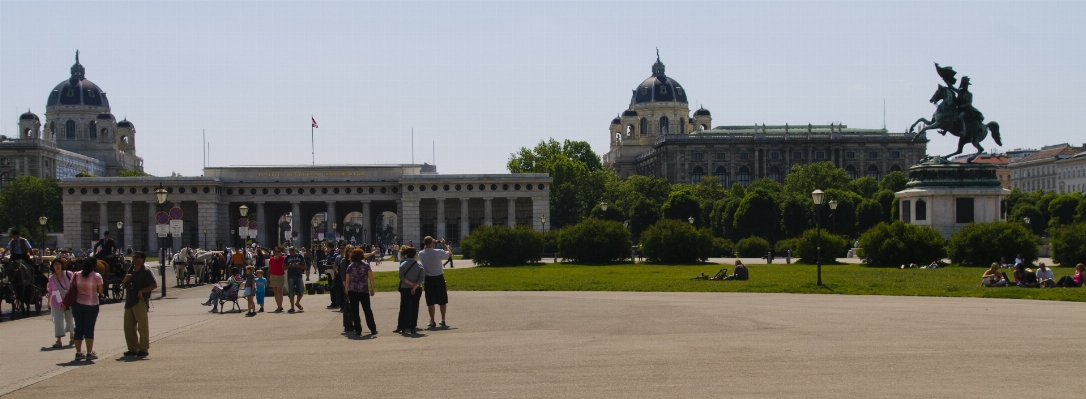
(260, 297)
(248, 292)
(277, 281)
(295, 286)
(435, 290)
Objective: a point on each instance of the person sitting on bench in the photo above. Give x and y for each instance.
(740, 272)
(231, 284)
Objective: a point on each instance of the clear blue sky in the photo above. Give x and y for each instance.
(484, 79)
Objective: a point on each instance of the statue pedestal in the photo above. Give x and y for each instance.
(948, 196)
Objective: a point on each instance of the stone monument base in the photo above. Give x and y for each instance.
(948, 195)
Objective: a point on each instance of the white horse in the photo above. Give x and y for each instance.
(193, 263)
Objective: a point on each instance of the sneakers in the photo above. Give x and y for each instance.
(291, 310)
(92, 355)
(431, 325)
(443, 324)
(141, 354)
(130, 353)
(79, 356)
(208, 303)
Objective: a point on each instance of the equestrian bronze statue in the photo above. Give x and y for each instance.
(955, 114)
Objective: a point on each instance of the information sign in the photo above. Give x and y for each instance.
(177, 227)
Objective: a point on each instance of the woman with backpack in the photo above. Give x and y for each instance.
(411, 276)
(59, 283)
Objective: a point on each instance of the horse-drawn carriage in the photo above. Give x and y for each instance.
(22, 285)
(199, 265)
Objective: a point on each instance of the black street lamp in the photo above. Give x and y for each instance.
(205, 237)
(160, 198)
(543, 221)
(287, 219)
(817, 196)
(691, 220)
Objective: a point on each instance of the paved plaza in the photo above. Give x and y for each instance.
(579, 344)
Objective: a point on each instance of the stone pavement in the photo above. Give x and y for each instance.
(581, 344)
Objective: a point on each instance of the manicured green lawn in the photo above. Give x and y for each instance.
(952, 281)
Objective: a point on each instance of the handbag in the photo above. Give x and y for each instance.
(73, 293)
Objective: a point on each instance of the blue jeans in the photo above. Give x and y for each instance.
(85, 317)
(295, 286)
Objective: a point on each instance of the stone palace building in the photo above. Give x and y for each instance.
(657, 136)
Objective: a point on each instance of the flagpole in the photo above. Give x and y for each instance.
(312, 148)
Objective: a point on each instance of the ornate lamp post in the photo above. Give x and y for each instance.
(543, 221)
(43, 221)
(244, 211)
(833, 214)
(160, 198)
(288, 217)
(817, 196)
(691, 220)
(120, 233)
(205, 237)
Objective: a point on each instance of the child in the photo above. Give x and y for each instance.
(249, 283)
(259, 283)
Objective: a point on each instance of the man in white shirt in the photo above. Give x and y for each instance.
(1044, 276)
(435, 290)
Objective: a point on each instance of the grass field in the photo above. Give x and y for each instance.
(952, 281)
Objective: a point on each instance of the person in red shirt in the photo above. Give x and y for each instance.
(277, 278)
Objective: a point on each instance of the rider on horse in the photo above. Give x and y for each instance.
(18, 247)
(105, 248)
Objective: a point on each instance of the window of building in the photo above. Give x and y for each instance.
(820, 155)
(69, 129)
(850, 155)
(851, 171)
(665, 127)
(895, 168)
(699, 156)
(775, 174)
(91, 130)
(682, 126)
(720, 156)
(774, 155)
(921, 210)
(629, 131)
(895, 154)
(906, 211)
(872, 154)
(744, 155)
(744, 176)
(644, 126)
(963, 210)
(797, 155)
(722, 176)
(695, 176)
(873, 172)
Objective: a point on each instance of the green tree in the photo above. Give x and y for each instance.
(1027, 210)
(130, 173)
(752, 247)
(709, 190)
(1062, 209)
(643, 213)
(595, 241)
(822, 175)
(833, 246)
(758, 215)
(886, 199)
(893, 181)
(737, 190)
(84, 174)
(681, 205)
(776, 190)
(865, 186)
(796, 215)
(27, 198)
(843, 220)
(579, 180)
(869, 214)
(654, 189)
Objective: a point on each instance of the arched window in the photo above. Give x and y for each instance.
(873, 172)
(703, 127)
(105, 133)
(664, 126)
(695, 176)
(775, 174)
(91, 131)
(644, 126)
(682, 126)
(722, 176)
(895, 168)
(744, 176)
(618, 136)
(69, 129)
(851, 172)
(629, 131)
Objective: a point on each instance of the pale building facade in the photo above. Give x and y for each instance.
(658, 136)
(1071, 173)
(1039, 171)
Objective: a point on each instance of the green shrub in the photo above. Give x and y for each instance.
(833, 246)
(1069, 245)
(722, 247)
(502, 245)
(752, 247)
(983, 243)
(784, 245)
(673, 241)
(594, 241)
(897, 243)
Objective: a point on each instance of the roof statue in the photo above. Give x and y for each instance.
(955, 114)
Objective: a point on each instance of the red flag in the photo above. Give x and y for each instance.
(314, 121)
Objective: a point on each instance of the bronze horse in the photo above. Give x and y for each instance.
(970, 128)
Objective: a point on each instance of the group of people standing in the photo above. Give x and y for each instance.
(80, 317)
